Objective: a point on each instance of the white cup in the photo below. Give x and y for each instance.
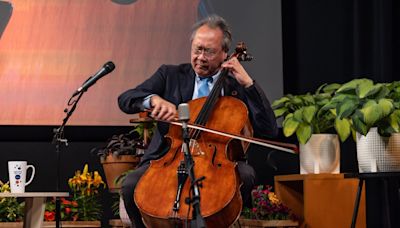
(17, 175)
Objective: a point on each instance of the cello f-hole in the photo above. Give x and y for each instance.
(214, 153)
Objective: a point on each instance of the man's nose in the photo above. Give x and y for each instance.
(202, 55)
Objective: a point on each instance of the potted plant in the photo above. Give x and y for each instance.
(303, 115)
(368, 110)
(122, 153)
(267, 210)
(10, 209)
(84, 204)
(360, 105)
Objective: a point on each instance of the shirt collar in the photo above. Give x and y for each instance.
(215, 76)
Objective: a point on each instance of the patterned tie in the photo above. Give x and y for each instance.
(204, 90)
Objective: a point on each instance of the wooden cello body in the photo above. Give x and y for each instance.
(221, 203)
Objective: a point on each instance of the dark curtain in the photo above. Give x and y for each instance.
(336, 41)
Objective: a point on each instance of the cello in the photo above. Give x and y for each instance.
(162, 191)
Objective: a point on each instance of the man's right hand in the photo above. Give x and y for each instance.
(162, 109)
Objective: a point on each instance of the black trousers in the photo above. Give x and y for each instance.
(246, 173)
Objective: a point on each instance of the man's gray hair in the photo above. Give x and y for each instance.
(215, 21)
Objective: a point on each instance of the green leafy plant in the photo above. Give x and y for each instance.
(142, 126)
(84, 204)
(131, 143)
(10, 209)
(302, 113)
(361, 104)
(115, 205)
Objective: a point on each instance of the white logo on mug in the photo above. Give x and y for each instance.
(17, 174)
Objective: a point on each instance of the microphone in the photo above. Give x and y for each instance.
(183, 116)
(107, 68)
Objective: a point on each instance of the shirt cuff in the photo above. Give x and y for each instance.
(146, 101)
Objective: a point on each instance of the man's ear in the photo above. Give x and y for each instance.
(225, 56)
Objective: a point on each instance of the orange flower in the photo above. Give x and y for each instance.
(65, 202)
(74, 203)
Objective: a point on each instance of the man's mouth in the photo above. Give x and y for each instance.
(202, 67)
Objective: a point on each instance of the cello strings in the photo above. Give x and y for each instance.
(209, 105)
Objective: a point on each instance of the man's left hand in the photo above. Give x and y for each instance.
(238, 72)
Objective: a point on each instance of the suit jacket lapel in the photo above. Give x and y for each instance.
(229, 87)
(187, 84)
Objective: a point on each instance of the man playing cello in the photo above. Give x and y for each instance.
(172, 85)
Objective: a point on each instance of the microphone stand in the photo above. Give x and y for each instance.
(197, 219)
(59, 140)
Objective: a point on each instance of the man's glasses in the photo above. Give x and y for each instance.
(207, 52)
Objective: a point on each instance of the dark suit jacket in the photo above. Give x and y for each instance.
(175, 83)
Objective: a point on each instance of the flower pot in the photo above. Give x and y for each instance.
(321, 154)
(114, 166)
(378, 154)
(249, 223)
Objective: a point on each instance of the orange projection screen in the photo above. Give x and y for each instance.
(48, 48)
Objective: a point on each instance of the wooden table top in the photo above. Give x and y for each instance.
(35, 194)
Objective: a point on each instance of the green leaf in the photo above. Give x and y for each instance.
(346, 108)
(322, 102)
(308, 99)
(394, 120)
(289, 126)
(371, 113)
(393, 85)
(351, 85)
(358, 124)
(288, 116)
(383, 92)
(303, 132)
(386, 106)
(322, 96)
(343, 128)
(298, 115)
(396, 105)
(339, 98)
(331, 88)
(278, 103)
(333, 111)
(365, 88)
(280, 112)
(318, 91)
(309, 113)
(354, 134)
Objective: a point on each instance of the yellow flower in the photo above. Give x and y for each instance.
(4, 187)
(85, 182)
(273, 198)
(97, 180)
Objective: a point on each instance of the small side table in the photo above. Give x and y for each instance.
(383, 176)
(35, 203)
(320, 200)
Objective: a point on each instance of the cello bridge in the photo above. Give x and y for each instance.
(195, 148)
